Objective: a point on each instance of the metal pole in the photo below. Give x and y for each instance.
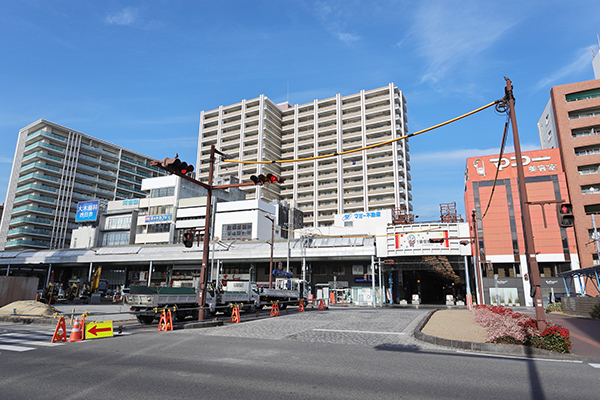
(478, 277)
(530, 252)
(380, 289)
(49, 271)
(596, 236)
(468, 280)
(288, 247)
(7, 269)
(90, 273)
(272, 239)
(373, 302)
(212, 261)
(150, 274)
(203, 272)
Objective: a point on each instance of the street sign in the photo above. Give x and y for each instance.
(98, 329)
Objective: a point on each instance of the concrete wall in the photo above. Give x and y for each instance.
(15, 288)
(579, 305)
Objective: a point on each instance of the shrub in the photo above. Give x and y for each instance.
(595, 313)
(504, 326)
(553, 338)
(552, 307)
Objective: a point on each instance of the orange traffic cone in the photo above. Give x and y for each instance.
(166, 322)
(235, 315)
(275, 310)
(76, 332)
(60, 333)
(322, 305)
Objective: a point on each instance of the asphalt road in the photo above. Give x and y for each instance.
(334, 354)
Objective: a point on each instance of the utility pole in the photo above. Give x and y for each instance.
(534, 272)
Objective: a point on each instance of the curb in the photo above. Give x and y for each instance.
(203, 324)
(502, 349)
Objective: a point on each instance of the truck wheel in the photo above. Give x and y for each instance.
(180, 316)
(283, 306)
(145, 319)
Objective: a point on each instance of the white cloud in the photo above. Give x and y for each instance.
(447, 33)
(333, 16)
(462, 154)
(127, 16)
(581, 63)
(6, 160)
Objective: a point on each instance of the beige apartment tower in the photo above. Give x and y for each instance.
(260, 130)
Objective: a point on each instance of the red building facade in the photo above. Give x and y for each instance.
(500, 246)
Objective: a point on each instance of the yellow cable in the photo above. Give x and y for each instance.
(366, 147)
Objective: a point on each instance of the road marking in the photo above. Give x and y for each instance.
(344, 331)
(518, 357)
(15, 348)
(32, 342)
(595, 365)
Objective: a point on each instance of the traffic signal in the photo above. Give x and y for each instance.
(188, 239)
(266, 179)
(275, 178)
(176, 166)
(565, 215)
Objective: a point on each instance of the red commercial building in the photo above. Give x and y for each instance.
(500, 246)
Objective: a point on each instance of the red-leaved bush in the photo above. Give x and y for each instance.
(505, 326)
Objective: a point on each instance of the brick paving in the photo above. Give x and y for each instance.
(353, 326)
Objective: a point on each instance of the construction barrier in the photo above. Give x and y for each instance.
(235, 314)
(60, 333)
(76, 335)
(322, 305)
(301, 307)
(275, 310)
(166, 321)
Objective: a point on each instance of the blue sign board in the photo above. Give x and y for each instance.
(159, 218)
(361, 215)
(368, 280)
(87, 211)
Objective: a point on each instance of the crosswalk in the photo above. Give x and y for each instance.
(26, 340)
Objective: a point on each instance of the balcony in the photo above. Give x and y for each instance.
(31, 231)
(99, 151)
(31, 197)
(97, 161)
(28, 243)
(45, 156)
(28, 220)
(44, 145)
(29, 208)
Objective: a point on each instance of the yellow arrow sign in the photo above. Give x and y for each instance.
(98, 329)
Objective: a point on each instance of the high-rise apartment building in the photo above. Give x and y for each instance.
(260, 130)
(571, 122)
(53, 169)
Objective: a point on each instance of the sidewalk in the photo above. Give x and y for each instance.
(585, 333)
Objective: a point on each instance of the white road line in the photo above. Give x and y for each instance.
(32, 342)
(15, 348)
(372, 332)
(595, 365)
(523, 358)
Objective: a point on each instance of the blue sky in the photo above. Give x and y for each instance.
(138, 73)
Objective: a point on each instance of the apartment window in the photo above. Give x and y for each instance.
(115, 239)
(237, 231)
(588, 150)
(160, 210)
(338, 270)
(592, 209)
(589, 169)
(348, 223)
(118, 222)
(589, 131)
(163, 192)
(159, 228)
(586, 94)
(591, 189)
(589, 112)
